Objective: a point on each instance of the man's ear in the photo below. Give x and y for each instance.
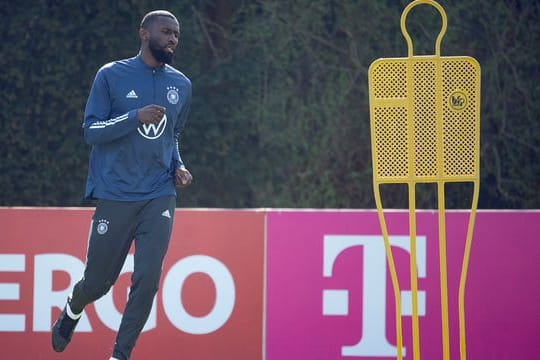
(143, 34)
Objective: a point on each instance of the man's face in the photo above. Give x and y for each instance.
(164, 33)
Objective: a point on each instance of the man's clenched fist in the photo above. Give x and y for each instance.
(182, 177)
(151, 114)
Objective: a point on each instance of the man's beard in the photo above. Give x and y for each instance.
(159, 53)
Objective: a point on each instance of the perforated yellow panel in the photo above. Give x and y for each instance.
(425, 124)
(391, 80)
(391, 131)
(425, 120)
(461, 127)
(425, 127)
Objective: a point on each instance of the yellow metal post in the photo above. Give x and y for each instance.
(425, 128)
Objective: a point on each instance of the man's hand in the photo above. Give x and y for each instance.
(151, 114)
(182, 177)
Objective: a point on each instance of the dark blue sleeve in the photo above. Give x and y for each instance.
(99, 127)
(180, 123)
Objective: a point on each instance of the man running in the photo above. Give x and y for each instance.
(135, 112)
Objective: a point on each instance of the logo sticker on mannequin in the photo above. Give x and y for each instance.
(458, 100)
(153, 131)
(172, 95)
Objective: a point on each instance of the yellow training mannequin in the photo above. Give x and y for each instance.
(425, 128)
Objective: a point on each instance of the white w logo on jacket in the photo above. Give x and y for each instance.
(153, 131)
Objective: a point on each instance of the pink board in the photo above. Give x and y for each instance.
(329, 295)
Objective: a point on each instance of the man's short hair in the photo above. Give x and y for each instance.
(153, 15)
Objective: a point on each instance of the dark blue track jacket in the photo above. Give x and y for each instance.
(130, 161)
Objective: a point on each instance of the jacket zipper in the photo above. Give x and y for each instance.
(154, 85)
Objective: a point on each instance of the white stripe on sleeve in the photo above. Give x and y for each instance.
(110, 122)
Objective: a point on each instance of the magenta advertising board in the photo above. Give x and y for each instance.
(329, 294)
(280, 285)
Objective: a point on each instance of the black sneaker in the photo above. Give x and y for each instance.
(62, 331)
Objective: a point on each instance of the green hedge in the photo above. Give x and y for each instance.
(280, 114)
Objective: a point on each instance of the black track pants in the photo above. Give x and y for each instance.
(115, 225)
